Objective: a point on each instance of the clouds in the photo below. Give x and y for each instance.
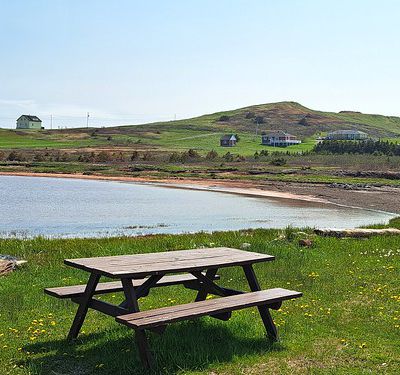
(18, 103)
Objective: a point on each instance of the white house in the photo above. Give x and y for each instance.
(279, 139)
(29, 122)
(346, 135)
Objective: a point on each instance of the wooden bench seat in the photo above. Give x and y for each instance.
(116, 286)
(162, 316)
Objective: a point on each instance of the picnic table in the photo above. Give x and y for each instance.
(195, 269)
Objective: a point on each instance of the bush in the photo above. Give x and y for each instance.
(212, 155)
(250, 115)
(228, 156)
(193, 154)
(259, 120)
(224, 118)
(103, 157)
(14, 156)
(278, 162)
(134, 155)
(174, 157)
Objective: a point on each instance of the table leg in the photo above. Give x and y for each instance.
(263, 310)
(83, 306)
(140, 334)
(202, 294)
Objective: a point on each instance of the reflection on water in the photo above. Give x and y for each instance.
(31, 206)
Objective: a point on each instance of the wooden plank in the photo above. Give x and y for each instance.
(165, 315)
(141, 265)
(116, 286)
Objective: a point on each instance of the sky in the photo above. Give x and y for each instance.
(130, 62)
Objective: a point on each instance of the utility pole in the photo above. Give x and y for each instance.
(51, 122)
(87, 120)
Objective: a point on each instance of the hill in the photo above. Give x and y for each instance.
(203, 132)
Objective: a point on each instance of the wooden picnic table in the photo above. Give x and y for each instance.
(195, 269)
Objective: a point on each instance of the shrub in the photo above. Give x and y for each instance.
(103, 156)
(259, 120)
(212, 155)
(134, 155)
(278, 161)
(228, 156)
(193, 154)
(250, 115)
(224, 118)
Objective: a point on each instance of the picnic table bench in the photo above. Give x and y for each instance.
(194, 269)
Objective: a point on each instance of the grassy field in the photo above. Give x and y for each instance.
(11, 139)
(348, 321)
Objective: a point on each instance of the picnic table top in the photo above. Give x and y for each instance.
(140, 265)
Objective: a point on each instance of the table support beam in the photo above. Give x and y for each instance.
(202, 294)
(83, 306)
(131, 301)
(263, 310)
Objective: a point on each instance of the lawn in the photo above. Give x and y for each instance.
(11, 139)
(204, 142)
(347, 322)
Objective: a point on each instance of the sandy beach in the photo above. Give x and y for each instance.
(383, 198)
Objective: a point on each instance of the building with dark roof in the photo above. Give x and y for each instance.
(29, 122)
(228, 140)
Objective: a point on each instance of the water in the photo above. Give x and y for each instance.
(61, 207)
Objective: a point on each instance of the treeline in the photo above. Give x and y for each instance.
(358, 147)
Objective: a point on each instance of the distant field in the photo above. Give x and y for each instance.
(164, 140)
(201, 141)
(11, 139)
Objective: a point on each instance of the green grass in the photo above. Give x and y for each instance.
(204, 142)
(11, 139)
(347, 322)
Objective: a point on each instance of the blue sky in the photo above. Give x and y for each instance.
(139, 61)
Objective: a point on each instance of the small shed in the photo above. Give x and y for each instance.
(29, 122)
(228, 140)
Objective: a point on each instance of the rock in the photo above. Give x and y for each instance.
(305, 242)
(245, 245)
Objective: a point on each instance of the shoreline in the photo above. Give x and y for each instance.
(296, 192)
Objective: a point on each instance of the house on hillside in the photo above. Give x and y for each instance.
(228, 140)
(346, 135)
(29, 122)
(279, 139)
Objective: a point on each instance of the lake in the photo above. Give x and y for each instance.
(62, 207)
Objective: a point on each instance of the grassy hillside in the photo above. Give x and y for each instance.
(202, 133)
(347, 322)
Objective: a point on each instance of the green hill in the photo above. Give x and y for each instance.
(203, 132)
